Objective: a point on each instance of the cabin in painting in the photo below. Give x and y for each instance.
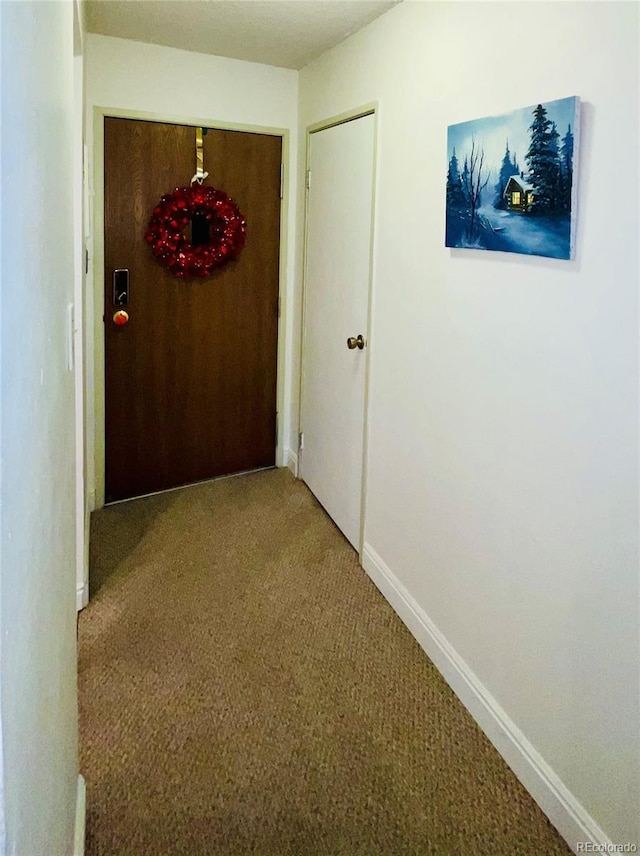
(518, 194)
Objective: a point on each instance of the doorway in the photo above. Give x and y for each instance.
(190, 379)
(340, 188)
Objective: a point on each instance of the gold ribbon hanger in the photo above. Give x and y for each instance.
(200, 172)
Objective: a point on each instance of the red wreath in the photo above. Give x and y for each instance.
(174, 212)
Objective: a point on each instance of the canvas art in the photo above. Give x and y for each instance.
(511, 181)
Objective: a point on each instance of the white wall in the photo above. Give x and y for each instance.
(166, 83)
(2, 822)
(502, 487)
(39, 717)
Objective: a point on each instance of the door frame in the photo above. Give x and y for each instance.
(370, 109)
(95, 331)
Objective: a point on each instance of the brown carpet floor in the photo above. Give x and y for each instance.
(245, 689)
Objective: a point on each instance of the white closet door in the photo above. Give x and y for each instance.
(339, 224)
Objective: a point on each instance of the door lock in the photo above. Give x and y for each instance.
(353, 342)
(120, 287)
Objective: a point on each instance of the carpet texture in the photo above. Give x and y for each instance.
(245, 689)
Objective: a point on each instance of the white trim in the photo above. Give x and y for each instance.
(81, 809)
(291, 461)
(82, 597)
(82, 580)
(79, 27)
(565, 812)
(76, 345)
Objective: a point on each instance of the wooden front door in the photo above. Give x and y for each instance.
(190, 380)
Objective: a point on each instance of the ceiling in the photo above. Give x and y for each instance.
(286, 33)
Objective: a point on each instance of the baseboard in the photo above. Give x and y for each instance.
(82, 596)
(82, 587)
(291, 460)
(81, 812)
(565, 812)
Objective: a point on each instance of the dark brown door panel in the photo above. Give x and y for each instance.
(191, 378)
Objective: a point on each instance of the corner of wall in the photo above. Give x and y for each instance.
(562, 808)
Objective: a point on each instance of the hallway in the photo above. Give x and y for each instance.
(245, 689)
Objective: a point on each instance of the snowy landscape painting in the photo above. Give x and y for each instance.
(511, 182)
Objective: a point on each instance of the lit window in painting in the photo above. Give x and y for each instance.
(515, 197)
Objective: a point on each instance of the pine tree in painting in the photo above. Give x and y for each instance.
(554, 136)
(543, 163)
(553, 145)
(567, 151)
(507, 169)
(566, 170)
(455, 195)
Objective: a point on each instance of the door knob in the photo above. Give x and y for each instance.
(120, 317)
(352, 342)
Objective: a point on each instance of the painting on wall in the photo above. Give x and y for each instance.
(511, 181)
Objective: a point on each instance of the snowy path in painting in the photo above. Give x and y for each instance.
(521, 233)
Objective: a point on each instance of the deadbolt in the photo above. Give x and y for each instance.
(352, 342)
(121, 287)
